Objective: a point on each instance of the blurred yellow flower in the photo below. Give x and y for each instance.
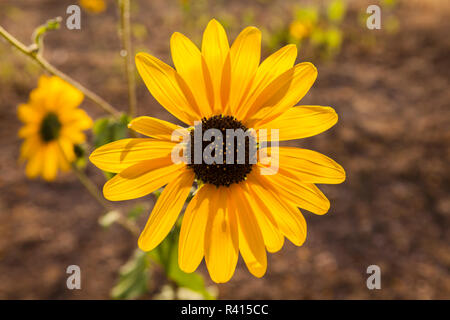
(53, 123)
(299, 30)
(94, 6)
(236, 208)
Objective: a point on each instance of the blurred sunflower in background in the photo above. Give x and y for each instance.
(236, 208)
(94, 6)
(299, 30)
(53, 125)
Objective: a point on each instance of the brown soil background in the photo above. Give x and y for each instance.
(393, 139)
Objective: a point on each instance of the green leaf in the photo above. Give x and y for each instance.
(134, 277)
(333, 38)
(336, 10)
(389, 3)
(318, 37)
(80, 155)
(109, 218)
(166, 254)
(308, 14)
(136, 211)
(39, 32)
(107, 130)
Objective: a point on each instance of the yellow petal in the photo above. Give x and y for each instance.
(287, 217)
(69, 97)
(251, 242)
(29, 147)
(304, 195)
(29, 130)
(76, 119)
(141, 179)
(62, 160)
(245, 54)
(35, 163)
(270, 68)
(273, 239)
(56, 94)
(28, 114)
(191, 66)
(44, 95)
(73, 134)
(307, 165)
(121, 154)
(215, 49)
(193, 227)
(302, 122)
(153, 127)
(166, 211)
(66, 146)
(50, 165)
(282, 93)
(221, 237)
(167, 87)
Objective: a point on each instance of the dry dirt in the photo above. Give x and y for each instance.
(393, 139)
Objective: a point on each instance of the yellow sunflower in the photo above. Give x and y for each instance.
(52, 123)
(299, 30)
(236, 208)
(94, 6)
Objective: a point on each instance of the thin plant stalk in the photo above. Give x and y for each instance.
(126, 53)
(36, 56)
(96, 194)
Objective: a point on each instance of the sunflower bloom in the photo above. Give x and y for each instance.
(236, 208)
(300, 30)
(53, 124)
(94, 6)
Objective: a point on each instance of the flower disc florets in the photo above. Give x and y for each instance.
(225, 159)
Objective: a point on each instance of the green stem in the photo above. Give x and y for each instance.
(33, 53)
(96, 194)
(126, 53)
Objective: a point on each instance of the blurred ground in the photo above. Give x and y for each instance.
(393, 139)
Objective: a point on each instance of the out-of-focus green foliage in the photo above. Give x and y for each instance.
(80, 155)
(136, 273)
(336, 11)
(314, 26)
(107, 130)
(39, 32)
(389, 3)
(166, 254)
(134, 277)
(136, 211)
(109, 218)
(139, 31)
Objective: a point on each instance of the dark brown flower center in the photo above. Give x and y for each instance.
(222, 156)
(50, 127)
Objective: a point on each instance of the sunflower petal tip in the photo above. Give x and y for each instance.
(141, 244)
(291, 45)
(175, 35)
(252, 29)
(344, 175)
(214, 21)
(140, 56)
